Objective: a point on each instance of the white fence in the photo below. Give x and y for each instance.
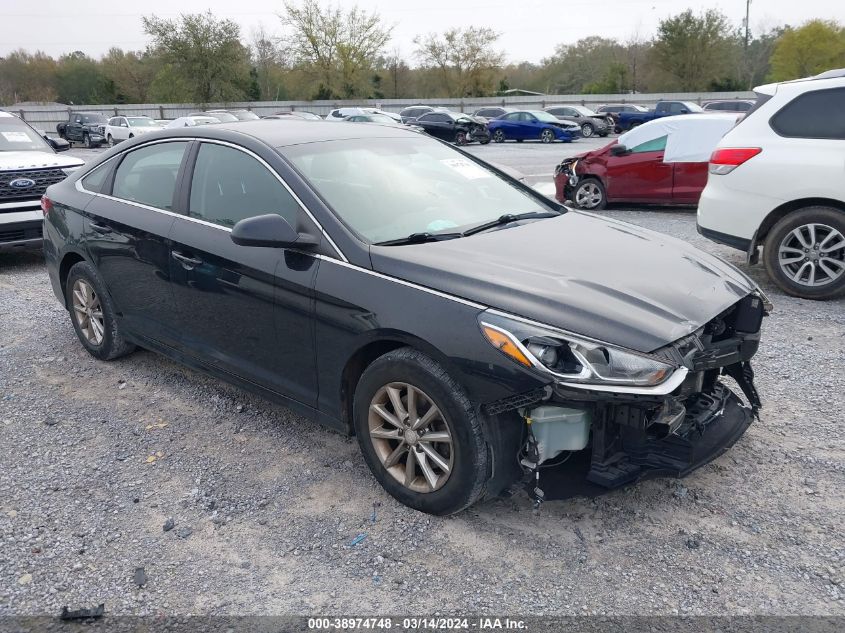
(47, 116)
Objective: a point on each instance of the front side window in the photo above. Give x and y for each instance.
(148, 174)
(387, 189)
(817, 114)
(230, 185)
(654, 145)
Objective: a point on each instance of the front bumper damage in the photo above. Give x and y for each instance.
(635, 436)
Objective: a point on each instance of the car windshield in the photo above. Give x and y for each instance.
(225, 117)
(17, 136)
(245, 115)
(584, 111)
(378, 118)
(692, 107)
(545, 116)
(141, 121)
(94, 118)
(389, 188)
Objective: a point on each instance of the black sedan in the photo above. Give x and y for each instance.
(455, 127)
(466, 329)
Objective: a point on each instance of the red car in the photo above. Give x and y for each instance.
(660, 162)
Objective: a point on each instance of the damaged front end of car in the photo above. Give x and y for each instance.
(631, 415)
(566, 179)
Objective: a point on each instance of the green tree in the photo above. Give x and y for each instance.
(816, 46)
(582, 66)
(27, 77)
(465, 59)
(340, 49)
(79, 80)
(203, 55)
(132, 73)
(693, 49)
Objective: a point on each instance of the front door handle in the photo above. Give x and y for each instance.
(99, 228)
(187, 262)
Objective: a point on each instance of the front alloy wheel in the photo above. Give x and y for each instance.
(411, 437)
(499, 136)
(589, 194)
(111, 141)
(587, 130)
(461, 138)
(421, 437)
(86, 140)
(547, 136)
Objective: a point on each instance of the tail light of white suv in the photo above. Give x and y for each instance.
(725, 160)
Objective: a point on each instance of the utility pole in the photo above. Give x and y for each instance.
(747, 13)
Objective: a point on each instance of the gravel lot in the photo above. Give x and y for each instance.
(265, 505)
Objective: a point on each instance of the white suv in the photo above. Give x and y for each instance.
(777, 180)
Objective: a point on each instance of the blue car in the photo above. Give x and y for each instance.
(532, 125)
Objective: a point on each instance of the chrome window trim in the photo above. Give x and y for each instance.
(79, 187)
(402, 282)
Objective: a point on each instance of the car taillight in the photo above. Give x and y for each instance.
(46, 205)
(724, 161)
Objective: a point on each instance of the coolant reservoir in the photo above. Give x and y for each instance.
(559, 429)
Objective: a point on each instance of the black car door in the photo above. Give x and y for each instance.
(126, 228)
(440, 125)
(243, 310)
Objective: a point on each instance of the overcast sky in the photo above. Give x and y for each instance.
(530, 28)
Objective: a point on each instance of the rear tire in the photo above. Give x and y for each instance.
(465, 453)
(93, 315)
(806, 248)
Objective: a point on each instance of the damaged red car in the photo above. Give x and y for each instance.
(661, 162)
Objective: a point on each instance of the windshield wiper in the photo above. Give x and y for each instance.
(507, 218)
(419, 238)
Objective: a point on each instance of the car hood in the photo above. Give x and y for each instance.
(589, 275)
(36, 160)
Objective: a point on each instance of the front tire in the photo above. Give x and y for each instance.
(86, 140)
(499, 136)
(587, 130)
(93, 315)
(547, 136)
(804, 253)
(419, 433)
(460, 138)
(590, 194)
(111, 140)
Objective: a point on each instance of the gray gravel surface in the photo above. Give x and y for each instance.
(234, 505)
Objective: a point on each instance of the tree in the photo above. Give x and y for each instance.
(465, 59)
(397, 72)
(693, 48)
(582, 66)
(816, 46)
(79, 80)
(204, 55)
(27, 77)
(131, 73)
(269, 64)
(339, 48)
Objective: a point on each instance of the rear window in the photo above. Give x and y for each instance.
(817, 114)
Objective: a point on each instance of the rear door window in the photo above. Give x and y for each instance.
(147, 175)
(229, 185)
(818, 114)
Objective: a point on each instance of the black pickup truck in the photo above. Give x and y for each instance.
(88, 128)
(628, 120)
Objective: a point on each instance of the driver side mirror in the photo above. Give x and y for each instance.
(272, 231)
(684, 111)
(58, 144)
(618, 150)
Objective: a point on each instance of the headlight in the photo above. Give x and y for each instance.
(67, 171)
(570, 357)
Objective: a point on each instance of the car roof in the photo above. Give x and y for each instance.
(284, 133)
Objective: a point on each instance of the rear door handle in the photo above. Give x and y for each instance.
(99, 228)
(187, 262)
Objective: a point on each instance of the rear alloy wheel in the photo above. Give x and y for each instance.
(804, 253)
(589, 194)
(587, 130)
(499, 136)
(419, 434)
(547, 136)
(460, 137)
(92, 313)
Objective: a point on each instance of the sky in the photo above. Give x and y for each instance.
(530, 29)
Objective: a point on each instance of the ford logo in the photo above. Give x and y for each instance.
(21, 183)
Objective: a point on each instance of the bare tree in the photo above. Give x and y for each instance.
(466, 59)
(340, 47)
(268, 60)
